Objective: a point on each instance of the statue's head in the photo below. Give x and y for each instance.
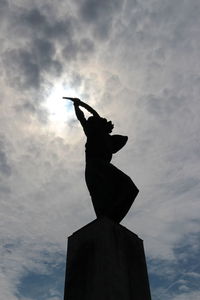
(100, 125)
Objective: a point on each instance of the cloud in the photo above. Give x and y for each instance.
(43, 23)
(100, 15)
(175, 275)
(5, 167)
(137, 63)
(33, 284)
(185, 296)
(4, 7)
(44, 46)
(78, 50)
(22, 70)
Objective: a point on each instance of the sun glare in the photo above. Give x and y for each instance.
(59, 110)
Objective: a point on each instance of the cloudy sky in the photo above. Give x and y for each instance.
(138, 63)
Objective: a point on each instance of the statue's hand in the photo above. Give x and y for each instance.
(75, 100)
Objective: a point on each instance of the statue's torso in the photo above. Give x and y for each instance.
(98, 146)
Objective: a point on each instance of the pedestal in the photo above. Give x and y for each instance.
(106, 261)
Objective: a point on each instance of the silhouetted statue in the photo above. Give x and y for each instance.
(112, 191)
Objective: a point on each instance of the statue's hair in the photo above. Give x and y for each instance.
(100, 124)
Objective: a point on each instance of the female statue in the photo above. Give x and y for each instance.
(112, 191)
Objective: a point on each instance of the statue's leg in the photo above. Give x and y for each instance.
(112, 191)
(98, 180)
(125, 192)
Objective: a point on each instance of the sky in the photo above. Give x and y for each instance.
(137, 62)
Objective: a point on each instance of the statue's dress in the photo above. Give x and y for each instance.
(112, 191)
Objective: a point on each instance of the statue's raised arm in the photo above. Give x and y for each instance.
(78, 102)
(79, 113)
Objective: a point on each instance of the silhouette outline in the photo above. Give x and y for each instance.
(112, 191)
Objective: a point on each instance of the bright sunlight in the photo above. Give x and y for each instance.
(59, 110)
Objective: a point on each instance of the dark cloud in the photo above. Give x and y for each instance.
(3, 7)
(5, 168)
(164, 104)
(86, 46)
(33, 19)
(43, 52)
(70, 51)
(44, 26)
(100, 14)
(44, 47)
(94, 10)
(4, 189)
(30, 107)
(78, 49)
(21, 69)
(25, 67)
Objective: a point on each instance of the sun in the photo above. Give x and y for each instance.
(58, 109)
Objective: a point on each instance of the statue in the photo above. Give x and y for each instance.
(112, 192)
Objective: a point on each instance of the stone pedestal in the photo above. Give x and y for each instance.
(106, 261)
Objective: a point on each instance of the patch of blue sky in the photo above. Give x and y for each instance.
(46, 285)
(69, 106)
(182, 275)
